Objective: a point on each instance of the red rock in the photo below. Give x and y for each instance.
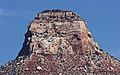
(59, 43)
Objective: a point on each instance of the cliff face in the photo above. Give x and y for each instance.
(59, 43)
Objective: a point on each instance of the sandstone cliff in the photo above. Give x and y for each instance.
(58, 42)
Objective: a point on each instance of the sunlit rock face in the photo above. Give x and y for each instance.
(58, 42)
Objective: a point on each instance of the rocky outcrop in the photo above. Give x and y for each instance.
(58, 42)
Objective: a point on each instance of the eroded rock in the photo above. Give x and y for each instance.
(58, 42)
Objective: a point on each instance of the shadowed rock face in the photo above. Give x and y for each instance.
(58, 43)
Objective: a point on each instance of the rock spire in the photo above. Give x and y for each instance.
(58, 42)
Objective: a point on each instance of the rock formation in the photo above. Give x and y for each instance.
(58, 42)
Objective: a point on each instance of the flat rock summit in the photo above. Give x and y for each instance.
(58, 42)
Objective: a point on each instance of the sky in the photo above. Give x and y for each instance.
(102, 17)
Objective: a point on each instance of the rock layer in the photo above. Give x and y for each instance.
(58, 42)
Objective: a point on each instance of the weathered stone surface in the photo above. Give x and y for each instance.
(59, 43)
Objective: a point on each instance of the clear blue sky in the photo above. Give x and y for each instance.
(102, 16)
